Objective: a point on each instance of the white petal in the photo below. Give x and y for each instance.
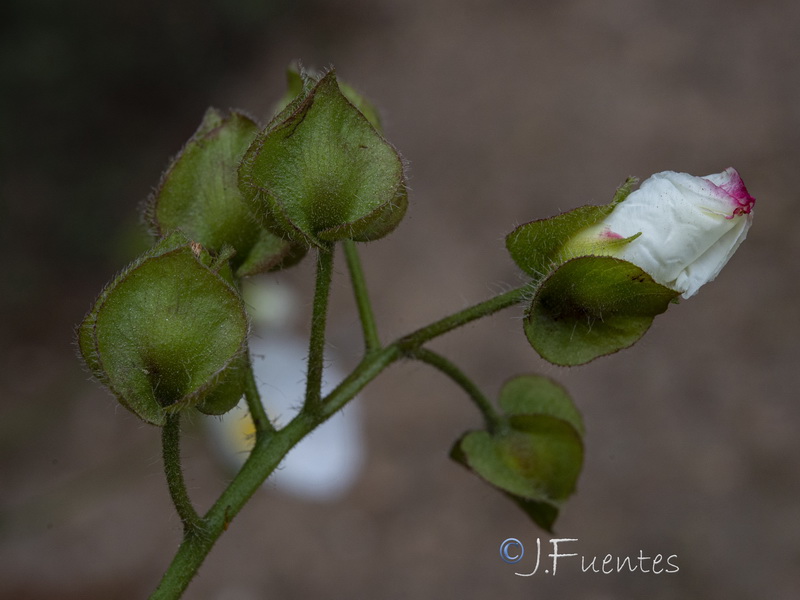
(708, 266)
(681, 219)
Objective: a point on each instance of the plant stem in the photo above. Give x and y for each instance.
(372, 364)
(260, 419)
(171, 447)
(316, 350)
(444, 365)
(371, 340)
(270, 450)
(369, 368)
(196, 544)
(419, 337)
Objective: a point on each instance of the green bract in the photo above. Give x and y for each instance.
(584, 306)
(168, 333)
(536, 456)
(199, 195)
(320, 172)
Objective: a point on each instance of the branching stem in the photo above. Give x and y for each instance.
(269, 450)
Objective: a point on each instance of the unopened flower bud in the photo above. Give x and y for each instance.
(681, 229)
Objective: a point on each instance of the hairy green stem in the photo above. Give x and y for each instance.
(263, 460)
(257, 412)
(483, 309)
(196, 544)
(316, 349)
(171, 448)
(444, 365)
(371, 340)
(270, 450)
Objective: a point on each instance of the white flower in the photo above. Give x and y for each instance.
(689, 227)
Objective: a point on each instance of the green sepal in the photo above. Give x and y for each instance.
(199, 195)
(541, 513)
(538, 246)
(229, 389)
(163, 334)
(536, 455)
(592, 306)
(299, 81)
(364, 106)
(324, 173)
(537, 394)
(85, 331)
(535, 461)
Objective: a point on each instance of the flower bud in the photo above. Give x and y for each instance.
(320, 172)
(681, 229)
(603, 273)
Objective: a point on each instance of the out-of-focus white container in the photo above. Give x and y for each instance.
(324, 465)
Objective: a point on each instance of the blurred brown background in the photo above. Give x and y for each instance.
(507, 111)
